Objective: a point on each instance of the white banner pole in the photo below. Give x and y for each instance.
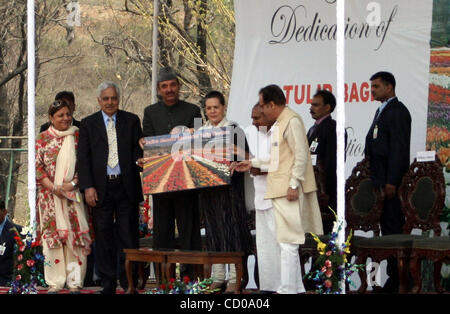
(31, 111)
(340, 121)
(155, 51)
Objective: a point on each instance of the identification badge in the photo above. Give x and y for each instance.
(313, 146)
(314, 159)
(2, 249)
(375, 132)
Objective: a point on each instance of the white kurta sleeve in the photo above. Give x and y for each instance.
(262, 164)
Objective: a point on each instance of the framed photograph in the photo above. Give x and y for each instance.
(185, 161)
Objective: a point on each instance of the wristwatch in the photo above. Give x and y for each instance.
(73, 183)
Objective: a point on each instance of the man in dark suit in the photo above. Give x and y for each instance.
(387, 147)
(69, 97)
(159, 119)
(6, 245)
(108, 151)
(322, 143)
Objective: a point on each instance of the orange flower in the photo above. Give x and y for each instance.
(444, 155)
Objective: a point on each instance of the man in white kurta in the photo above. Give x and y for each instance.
(291, 184)
(267, 247)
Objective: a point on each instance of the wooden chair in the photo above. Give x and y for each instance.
(422, 194)
(363, 205)
(437, 250)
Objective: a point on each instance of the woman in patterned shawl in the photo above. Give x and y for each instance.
(62, 218)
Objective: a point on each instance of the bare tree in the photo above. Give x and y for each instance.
(196, 39)
(13, 65)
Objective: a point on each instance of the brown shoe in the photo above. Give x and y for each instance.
(217, 285)
(231, 288)
(53, 290)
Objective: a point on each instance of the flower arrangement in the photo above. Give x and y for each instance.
(28, 260)
(146, 220)
(332, 265)
(185, 286)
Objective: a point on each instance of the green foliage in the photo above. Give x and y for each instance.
(185, 286)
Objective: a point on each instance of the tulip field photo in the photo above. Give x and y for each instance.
(176, 163)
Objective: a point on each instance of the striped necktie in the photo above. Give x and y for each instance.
(113, 158)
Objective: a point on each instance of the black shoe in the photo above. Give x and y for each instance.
(109, 286)
(97, 283)
(266, 292)
(390, 287)
(89, 283)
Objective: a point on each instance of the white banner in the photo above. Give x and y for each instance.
(292, 43)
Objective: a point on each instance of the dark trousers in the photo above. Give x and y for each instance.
(181, 207)
(89, 278)
(116, 224)
(391, 221)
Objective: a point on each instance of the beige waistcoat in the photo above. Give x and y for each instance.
(293, 219)
(282, 161)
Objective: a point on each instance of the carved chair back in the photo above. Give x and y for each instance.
(422, 194)
(363, 203)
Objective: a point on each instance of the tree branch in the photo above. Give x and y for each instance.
(13, 74)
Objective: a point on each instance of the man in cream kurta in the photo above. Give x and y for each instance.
(291, 184)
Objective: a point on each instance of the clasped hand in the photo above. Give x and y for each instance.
(60, 190)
